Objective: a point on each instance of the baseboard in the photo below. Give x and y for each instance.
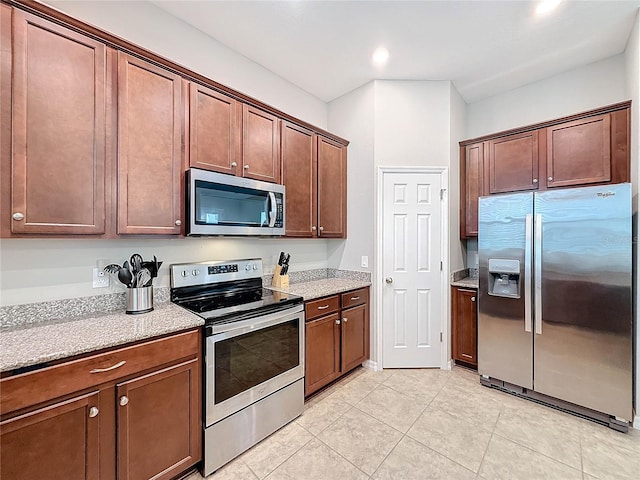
(371, 365)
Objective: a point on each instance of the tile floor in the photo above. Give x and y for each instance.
(428, 424)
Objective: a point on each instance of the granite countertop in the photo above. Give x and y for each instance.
(468, 282)
(43, 342)
(467, 278)
(323, 287)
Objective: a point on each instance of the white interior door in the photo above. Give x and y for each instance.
(411, 255)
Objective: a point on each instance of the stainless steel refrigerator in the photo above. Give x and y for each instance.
(555, 298)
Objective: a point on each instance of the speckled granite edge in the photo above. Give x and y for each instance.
(321, 274)
(34, 313)
(349, 275)
(467, 277)
(459, 274)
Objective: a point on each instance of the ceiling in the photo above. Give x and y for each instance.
(483, 47)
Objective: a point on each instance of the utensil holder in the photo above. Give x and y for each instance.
(279, 281)
(139, 300)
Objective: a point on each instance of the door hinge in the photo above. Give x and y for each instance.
(442, 190)
(440, 265)
(440, 337)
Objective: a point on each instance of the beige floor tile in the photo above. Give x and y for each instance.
(355, 390)
(378, 376)
(265, 457)
(542, 429)
(422, 384)
(410, 460)
(456, 439)
(316, 461)
(508, 460)
(610, 454)
(391, 407)
(474, 406)
(361, 439)
(322, 414)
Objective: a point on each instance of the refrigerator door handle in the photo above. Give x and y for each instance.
(537, 274)
(527, 271)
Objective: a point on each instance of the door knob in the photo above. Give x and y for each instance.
(389, 280)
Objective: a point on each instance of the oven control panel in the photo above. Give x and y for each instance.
(192, 274)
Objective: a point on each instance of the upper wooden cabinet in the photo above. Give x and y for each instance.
(260, 145)
(513, 163)
(214, 130)
(150, 122)
(584, 149)
(299, 176)
(59, 109)
(332, 189)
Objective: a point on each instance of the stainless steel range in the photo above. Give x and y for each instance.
(254, 353)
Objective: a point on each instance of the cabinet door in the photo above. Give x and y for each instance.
(513, 163)
(355, 337)
(214, 130)
(322, 358)
(159, 427)
(465, 326)
(150, 123)
(472, 187)
(299, 176)
(59, 129)
(579, 152)
(58, 441)
(332, 189)
(260, 145)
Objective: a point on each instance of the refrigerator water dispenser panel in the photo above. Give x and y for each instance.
(504, 277)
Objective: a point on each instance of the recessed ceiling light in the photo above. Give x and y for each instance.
(380, 56)
(545, 6)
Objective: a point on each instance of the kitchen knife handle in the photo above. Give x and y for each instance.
(528, 227)
(537, 274)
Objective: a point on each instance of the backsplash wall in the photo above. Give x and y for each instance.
(37, 270)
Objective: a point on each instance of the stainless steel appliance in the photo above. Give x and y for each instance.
(555, 298)
(220, 204)
(253, 354)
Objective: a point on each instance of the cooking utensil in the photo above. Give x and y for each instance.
(112, 268)
(156, 267)
(143, 278)
(124, 275)
(136, 263)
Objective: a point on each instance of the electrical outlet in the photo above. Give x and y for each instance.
(364, 261)
(100, 278)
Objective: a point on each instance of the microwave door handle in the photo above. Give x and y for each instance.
(272, 212)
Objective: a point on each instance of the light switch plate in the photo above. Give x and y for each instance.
(364, 261)
(100, 278)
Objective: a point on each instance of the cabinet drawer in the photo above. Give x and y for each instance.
(323, 306)
(356, 297)
(31, 388)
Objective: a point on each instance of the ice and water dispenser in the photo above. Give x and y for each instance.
(504, 277)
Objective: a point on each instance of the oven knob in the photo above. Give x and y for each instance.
(184, 273)
(247, 267)
(255, 267)
(195, 273)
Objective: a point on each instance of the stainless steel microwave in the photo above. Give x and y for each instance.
(221, 204)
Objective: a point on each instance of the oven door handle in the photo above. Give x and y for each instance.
(234, 329)
(273, 210)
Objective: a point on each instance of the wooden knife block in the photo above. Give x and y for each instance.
(279, 281)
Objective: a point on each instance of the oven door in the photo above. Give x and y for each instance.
(251, 360)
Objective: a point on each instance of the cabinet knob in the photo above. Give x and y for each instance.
(178, 223)
(246, 167)
(124, 400)
(93, 412)
(345, 319)
(234, 164)
(313, 228)
(18, 216)
(337, 322)
(473, 299)
(550, 179)
(389, 280)
(535, 180)
(321, 228)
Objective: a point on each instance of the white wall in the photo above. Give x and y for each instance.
(457, 250)
(33, 270)
(154, 29)
(585, 88)
(632, 58)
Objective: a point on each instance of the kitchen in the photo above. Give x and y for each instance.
(59, 266)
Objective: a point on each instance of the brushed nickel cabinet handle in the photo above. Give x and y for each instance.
(93, 412)
(345, 319)
(337, 322)
(112, 367)
(535, 180)
(355, 298)
(321, 228)
(124, 400)
(473, 299)
(323, 307)
(234, 164)
(313, 228)
(17, 216)
(550, 179)
(246, 167)
(178, 222)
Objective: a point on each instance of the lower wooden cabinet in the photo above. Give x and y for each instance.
(336, 337)
(143, 425)
(465, 325)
